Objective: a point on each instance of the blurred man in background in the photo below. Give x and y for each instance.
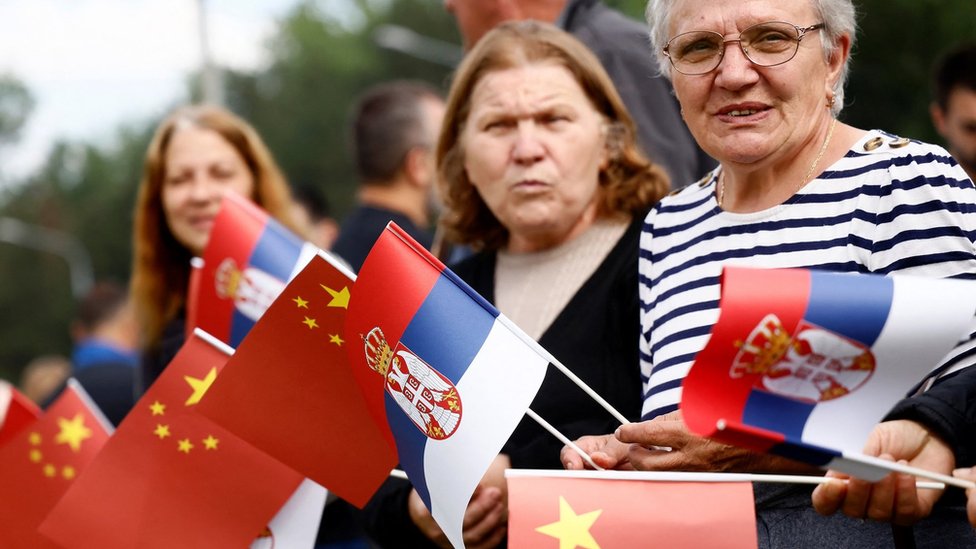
(954, 108)
(394, 131)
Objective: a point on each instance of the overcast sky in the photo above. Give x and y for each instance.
(93, 64)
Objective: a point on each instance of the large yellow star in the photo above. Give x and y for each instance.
(73, 432)
(572, 530)
(200, 386)
(334, 338)
(340, 298)
(302, 304)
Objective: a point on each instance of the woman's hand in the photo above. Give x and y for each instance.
(605, 450)
(485, 518)
(969, 474)
(649, 443)
(894, 498)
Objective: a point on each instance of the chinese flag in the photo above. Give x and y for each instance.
(39, 464)
(16, 412)
(171, 478)
(567, 512)
(289, 389)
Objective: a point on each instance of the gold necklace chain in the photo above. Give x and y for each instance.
(806, 178)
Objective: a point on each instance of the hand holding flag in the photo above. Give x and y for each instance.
(803, 364)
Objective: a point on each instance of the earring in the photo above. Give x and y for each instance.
(831, 100)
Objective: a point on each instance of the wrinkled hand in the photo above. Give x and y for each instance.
(689, 452)
(969, 474)
(605, 450)
(485, 518)
(895, 497)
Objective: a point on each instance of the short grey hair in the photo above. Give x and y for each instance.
(838, 16)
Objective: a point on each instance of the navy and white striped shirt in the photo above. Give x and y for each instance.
(903, 207)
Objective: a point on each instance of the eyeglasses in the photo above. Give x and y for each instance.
(766, 44)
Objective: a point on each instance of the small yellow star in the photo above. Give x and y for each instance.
(50, 470)
(210, 443)
(310, 322)
(35, 438)
(36, 456)
(68, 472)
(73, 432)
(572, 530)
(334, 338)
(162, 431)
(185, 446)
(302, 304)
(200, 386)
(340, 298)
(157, 408)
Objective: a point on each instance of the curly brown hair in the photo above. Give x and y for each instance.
(161, 265)
(629, 184)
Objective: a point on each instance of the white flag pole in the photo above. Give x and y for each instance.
(547, 426)
(676, 476)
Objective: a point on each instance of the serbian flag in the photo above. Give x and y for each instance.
(248, 260)
(591, 509)
(289, 389)
(171, 478)
(450, 375)
(16, 412)
(42, 461)
(804, 363)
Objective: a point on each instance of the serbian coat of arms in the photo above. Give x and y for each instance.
(428, 398)
(812, 364)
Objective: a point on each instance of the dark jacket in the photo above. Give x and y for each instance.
(623, 47)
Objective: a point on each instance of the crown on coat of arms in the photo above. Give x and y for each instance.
(227, 278)
(378, 352)
(766, 345)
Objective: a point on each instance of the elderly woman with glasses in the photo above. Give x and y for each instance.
(760, 84)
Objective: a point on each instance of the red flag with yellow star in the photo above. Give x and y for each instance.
(171, 478)
(569, 510)
(290, 391)
(39, 464)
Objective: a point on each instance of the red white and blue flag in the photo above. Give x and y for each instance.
(804, 363)
(449, 374)
(248, 260)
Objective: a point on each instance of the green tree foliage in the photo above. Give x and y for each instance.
(300, 104)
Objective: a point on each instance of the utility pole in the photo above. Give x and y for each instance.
(213, 91)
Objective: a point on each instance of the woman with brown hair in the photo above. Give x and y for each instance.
(197, 154)
(542, 178)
